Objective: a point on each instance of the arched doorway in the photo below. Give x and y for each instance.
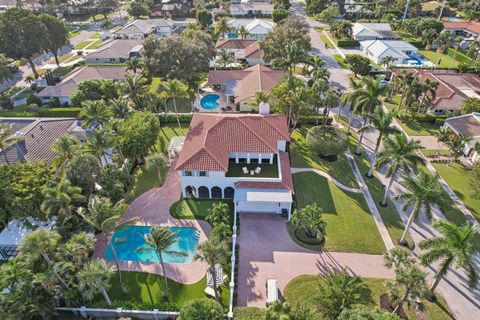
(216, 193)
(203, 192)
(228, 193)
(190, 192)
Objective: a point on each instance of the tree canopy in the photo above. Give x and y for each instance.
(470, 105)
(83, 171)
(196, 309)
(139, 134)
(327, 140)
(95, 90)
(57, 34)
(359, 64)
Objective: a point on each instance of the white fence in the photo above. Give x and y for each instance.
(232, 274)
(87, 313)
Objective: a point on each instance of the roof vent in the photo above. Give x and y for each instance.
(41, 127)
(264, 108)
(18, 134)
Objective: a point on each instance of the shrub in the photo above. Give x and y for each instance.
(248, 313)
(279, 14)
(312, 120)
(133, 305)
(460, 57)
(172, 118)
(54, 103)
(347, 43)
(46, 111)
(327, 140)
(33, 99)
(198, 309)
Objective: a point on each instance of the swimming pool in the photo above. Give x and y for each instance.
(210, 101)
(126, 242)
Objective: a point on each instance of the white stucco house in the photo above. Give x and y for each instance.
(115, 51)
(251, 9)
(467, 125)
(373, 31)
(241, 157)
(256, 28)
(403, 52)
(245, 51)
(140, 29)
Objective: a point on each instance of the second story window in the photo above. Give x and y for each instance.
(188, 173)
(203, 174)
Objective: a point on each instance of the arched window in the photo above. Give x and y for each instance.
(216, 193)
(203, 192)
(228, 193)
(190, 192)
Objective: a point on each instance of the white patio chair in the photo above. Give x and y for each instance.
(245, 170)
(209, 292)
(258, 170)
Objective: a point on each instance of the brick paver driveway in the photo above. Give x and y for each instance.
(266, 251)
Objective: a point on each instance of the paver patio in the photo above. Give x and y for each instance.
(267, 251)
(153, 209)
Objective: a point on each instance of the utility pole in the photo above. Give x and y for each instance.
(406, 10)
(441, 10)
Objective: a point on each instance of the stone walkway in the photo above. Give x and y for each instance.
(153, 209)
(267, 251)
(329, 177)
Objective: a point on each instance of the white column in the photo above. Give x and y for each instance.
(248, 157)
(271, 158)
(290, 212)
(236, 158)
(259, 158)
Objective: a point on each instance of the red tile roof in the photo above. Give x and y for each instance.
(234, 43)
(286, 183)
(472, 26)
(213, 137)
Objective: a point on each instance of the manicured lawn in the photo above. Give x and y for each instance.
(457, 176)
(248, 313)
(95, 36)
(325, 39)
(303, 157)
(350, 226)
(146, 179)
(95, 44)
(183, 106)
(443, 60)
(389, 214)
(341, 61)
(82, 44)
(73, 34)
(196, 208)
(302, 291)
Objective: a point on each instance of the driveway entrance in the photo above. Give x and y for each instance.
(267, 251)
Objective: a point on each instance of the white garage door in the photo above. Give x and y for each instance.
(261, 207)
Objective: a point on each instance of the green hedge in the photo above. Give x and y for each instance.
(248, 313)
(347, 43)
(426, 118)
(172, 118)
(418, 44)
(59, 112)
(460, 57)
(132, 305)
(305, 120)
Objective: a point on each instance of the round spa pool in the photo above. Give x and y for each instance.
(210, 101)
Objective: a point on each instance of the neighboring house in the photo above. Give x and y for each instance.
(352, 6)
(219, 148)
(65, 88)
(467, 125)
(240, 86)
(403, 52)
(35, 137)
(245, 51)
(26, 4)
(468, 30)
(428, 8)
(251, 9)
(171, 10)
(373, 31)
(454, 88)
(115, 51)
(256, 28)
(140, 29)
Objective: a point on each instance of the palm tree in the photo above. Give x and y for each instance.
(107, 218)
(65, 147)
(6, 140)
(135, 88)
(349, 99)
(160, 240)
(387, 61)
(318, 69)
(95, 278)
(443, 41)
(400, 154)
(213, 251)
(120, 109)
(59, 200)
(429, 89)
(402, 83)
(94, 112)
(174, 89)
(310, 220)
(98, 143)
(224, 58)
(457, 145)
(423, 193)
(222, 27)
(294, 56)
(443, 136)
(413, 91)
(366, 99)
(382, 122)
(135, 64)
(157, 160)
(41, 243)
(243, 32)
(329, 101)
(260, 97)
(453, 249)
(428, 37)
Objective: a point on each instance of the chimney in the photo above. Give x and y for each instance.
(264, 109)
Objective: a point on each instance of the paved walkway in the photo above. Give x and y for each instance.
(267, 251)
(153, 208)
(329, 177)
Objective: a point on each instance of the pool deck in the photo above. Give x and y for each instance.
(153, 209)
